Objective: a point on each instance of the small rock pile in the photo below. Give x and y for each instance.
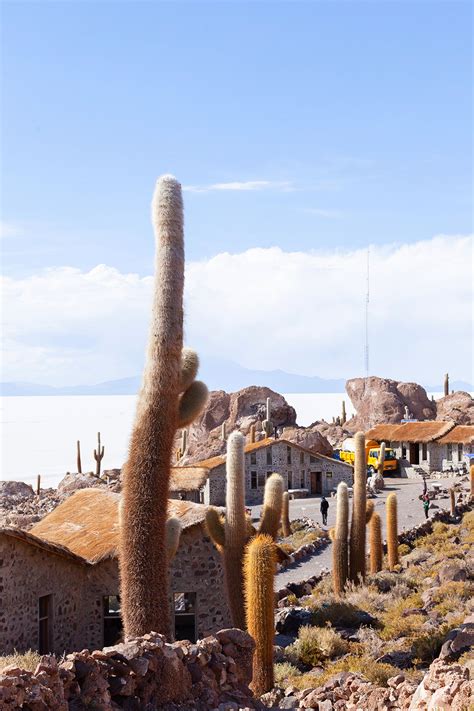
(145, 672)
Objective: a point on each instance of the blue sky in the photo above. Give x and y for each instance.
(299, 126)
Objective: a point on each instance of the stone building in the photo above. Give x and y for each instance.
(188, 484)
(305, 472)
(59, 583)
(427, 446)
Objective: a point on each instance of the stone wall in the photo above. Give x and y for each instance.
(77, 592)
(142, 673)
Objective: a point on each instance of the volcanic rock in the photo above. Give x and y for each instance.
(458, 407)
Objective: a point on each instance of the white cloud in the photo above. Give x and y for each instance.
(247, 185)
(264, 308)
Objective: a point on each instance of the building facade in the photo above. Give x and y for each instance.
(59, 583)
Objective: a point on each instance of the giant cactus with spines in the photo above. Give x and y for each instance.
(358, 522)
(169, 398)
(259, 572)
(339, 536)
(272, 506)
(285, 515)
(392, 531)
(376, 546)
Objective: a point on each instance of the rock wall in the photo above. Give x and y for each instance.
(142, 673)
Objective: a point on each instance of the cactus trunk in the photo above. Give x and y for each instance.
(143, 555)
(452, 501)
(344, 416)
(358, 523)
(471, 474)
(376, 548)
(259, 569)
(446, 384)
(339, 538)
(272, 506)
(392, 531)
(79, 463)
(381, 461)
(285, 514)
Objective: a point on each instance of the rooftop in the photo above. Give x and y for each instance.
(427, 431)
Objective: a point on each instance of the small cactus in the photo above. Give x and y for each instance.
(392, 531)
(98, 455)
(267, 423)
(223, 432)
(79, 463)
(358, 523)
(285, 515)
(272, 506)
(452, 502)
(339, 538)
(252, 434)
(446, 384)
(376, 549)
(259, 572)
(344, 416)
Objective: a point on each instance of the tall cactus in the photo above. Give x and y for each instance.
(339, 539)
(452, 502)
(79, 463)
(272, 506)
(471, 474)
(285, 515)
(446, 384)
(259, 572)
(381, 459)
(267, 423)
(392, 530)
(344, 416)
(184, 441)
(169, 398)
(252, 434)
(376, 546)
(98, 455)
(358, 523)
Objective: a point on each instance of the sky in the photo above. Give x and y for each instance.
(302, 133)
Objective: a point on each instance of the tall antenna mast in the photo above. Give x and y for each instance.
(367, 316)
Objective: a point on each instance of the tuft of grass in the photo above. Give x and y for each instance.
(23, 660)
(403, 549)
(427, 646)
(317, 644)
(283, 672)
(376, 672)
(399, 621)
(335, 612)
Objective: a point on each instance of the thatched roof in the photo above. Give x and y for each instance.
(461, 434)
(423, 432)
(87, 523)
(32, 540)
(188, 478)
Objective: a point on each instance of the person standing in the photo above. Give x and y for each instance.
(426, 505)
(324, 510)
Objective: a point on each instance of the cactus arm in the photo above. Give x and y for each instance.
(192, 403)
(215, 528)
(272, 506)
(189, 368)
(173, 530)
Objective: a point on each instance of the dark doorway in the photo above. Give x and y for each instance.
(185, 616)
(414, 453)
(112, 620)
(316, 483)
(45, 623)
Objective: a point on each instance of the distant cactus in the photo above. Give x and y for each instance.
(344, 416)
(339, 538)
(471, 473)
(178, 454)
(285, 515)
(79, 463)
(392, 531)
(259, 572)
(272, 506)
(376, 549)
(369, 510)
(446, 384)
(98, 455)
(223, 432)
(252, 434)
(358, 523)
(452, 502)
(169, 399)
(267, 423)
(184, 441)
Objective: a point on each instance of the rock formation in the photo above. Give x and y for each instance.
(458, 406)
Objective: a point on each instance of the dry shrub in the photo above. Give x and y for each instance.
(403, 549)
(317, 644)
(376, 672)
(283, 672)
(427, 646)
(335, 612)
(399, 621)
(23, 660)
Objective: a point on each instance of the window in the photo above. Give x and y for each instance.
(302, 479)
(185, 616)
(290, 480)
(112, 620)
(269, 455)
(328, 475)
(261, 479)
(253, 480)
(45, 624)
(253, 457)
(301, 457)
(449, 456)
(288, 454)
(460, 452)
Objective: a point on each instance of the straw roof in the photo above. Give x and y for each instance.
(188, 478)
(87, 523)
(428, 431)
(32, 540)
(461, 434)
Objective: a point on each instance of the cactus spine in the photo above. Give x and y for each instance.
(160, 412)
(259, 571)
(452, 502)
(285, 514)
(344, 416)
(79, 463)
(339, 539)
(376, 549)
(446, 384)
(392, 531)
(98, 455)
(358, 523)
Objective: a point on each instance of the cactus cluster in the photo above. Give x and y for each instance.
(170, 398)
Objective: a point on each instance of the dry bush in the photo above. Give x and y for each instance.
(333, 611)
(376, 672)
(26, 660)
(317, 644)
(403, 549)
(427, 646)
(371, 643)
(284, 672)
(399, 621)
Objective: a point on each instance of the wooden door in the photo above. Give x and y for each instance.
(316, 483)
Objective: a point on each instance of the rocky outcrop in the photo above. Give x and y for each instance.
(308, 437)
(335, 434)
(142, 673)
(381, 400)
(458, 407)
(238, 411)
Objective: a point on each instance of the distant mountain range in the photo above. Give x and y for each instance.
(218, 375)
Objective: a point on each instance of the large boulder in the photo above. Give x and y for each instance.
(17, 490)
(308, 437)
(458, 407)
(381, 400)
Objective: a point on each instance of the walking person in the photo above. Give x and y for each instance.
(426, 506)
(324, 510)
